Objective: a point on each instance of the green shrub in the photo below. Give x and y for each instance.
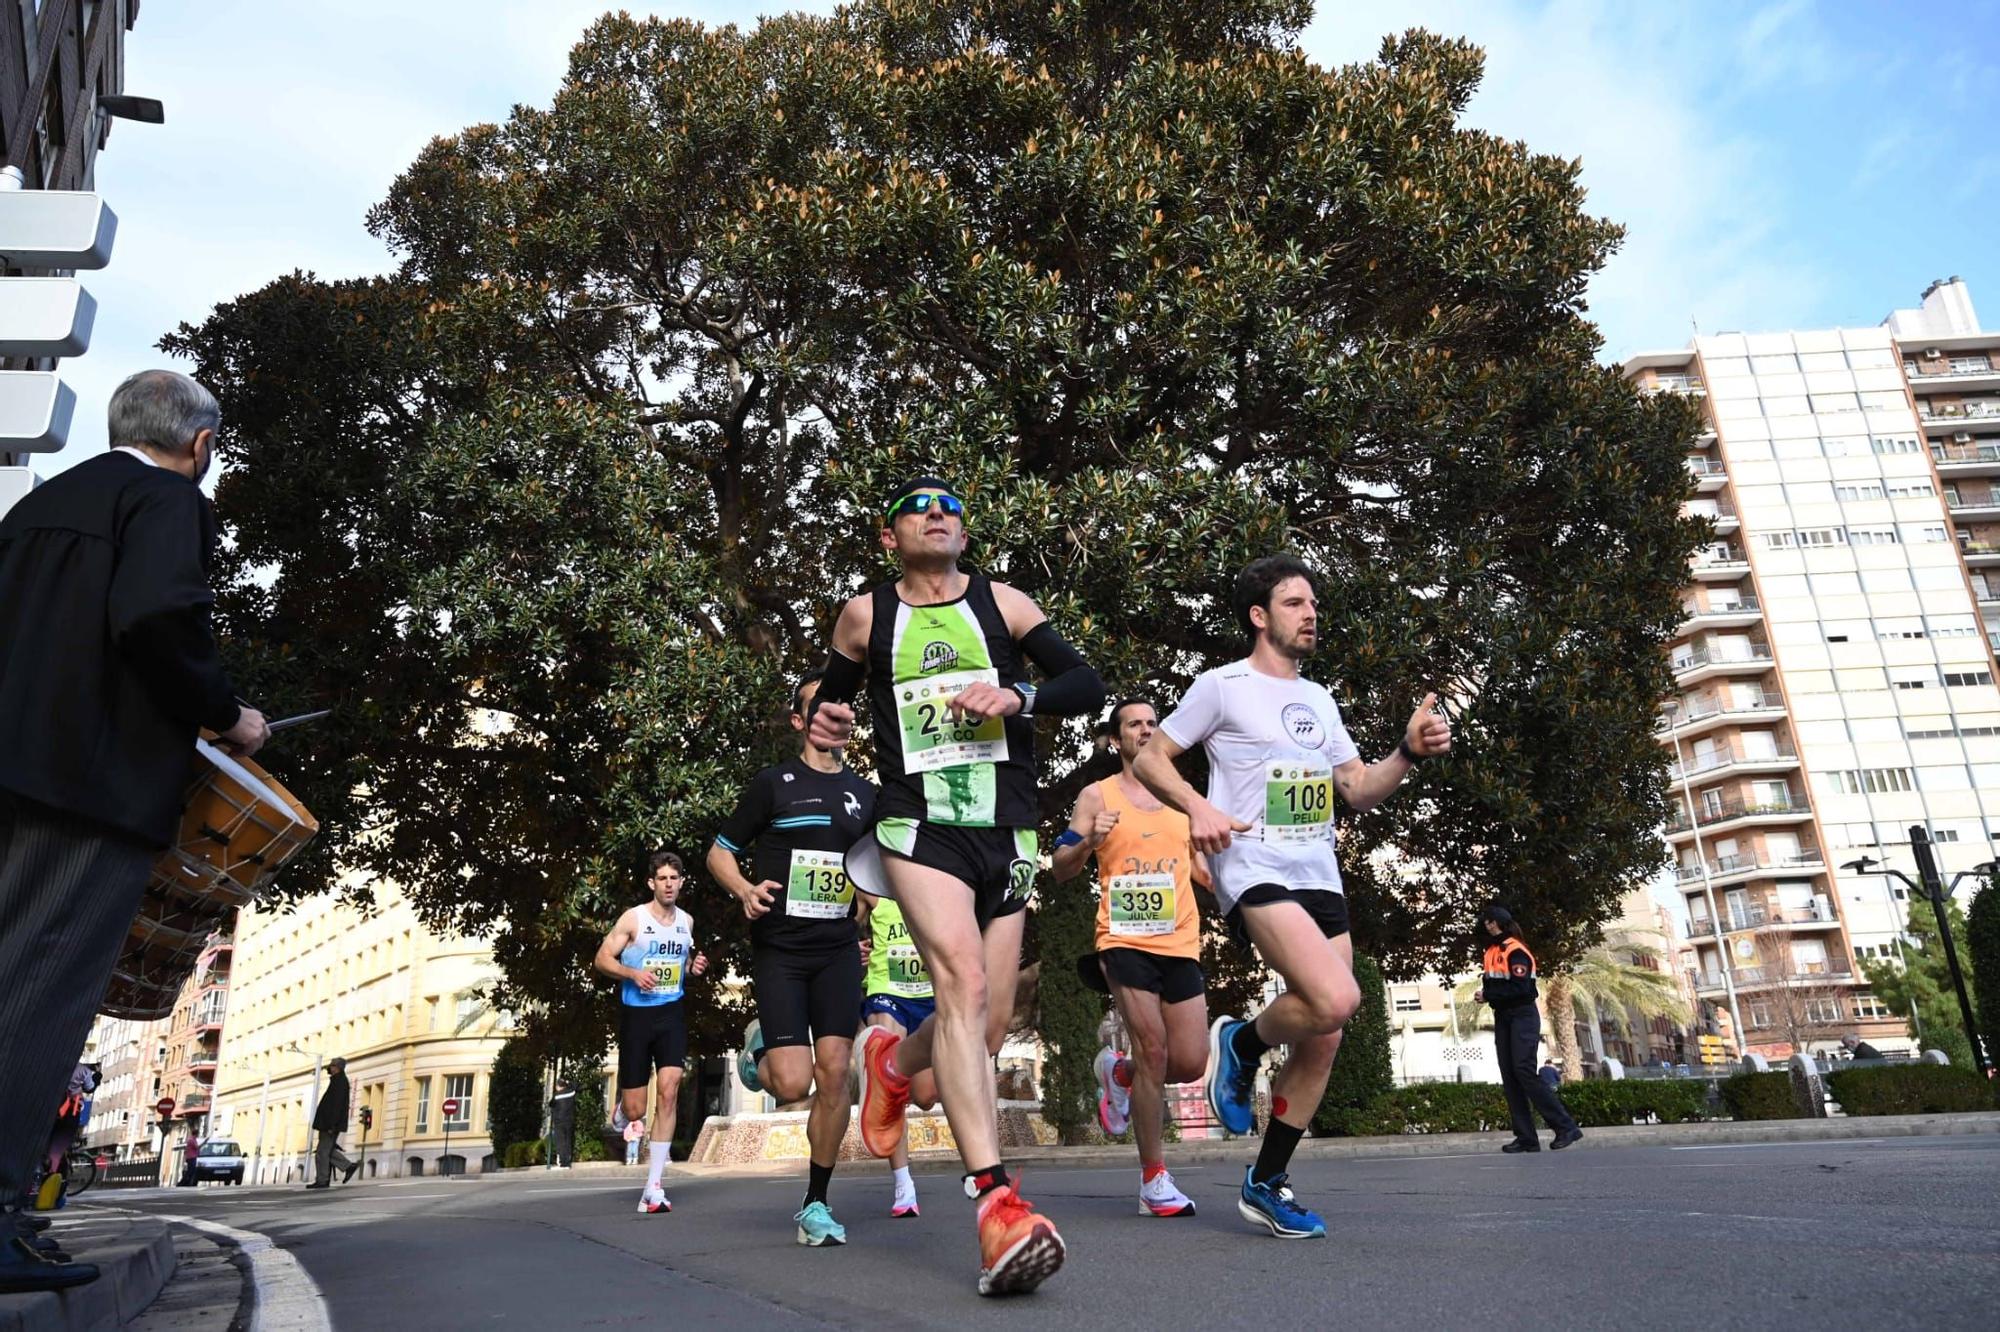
(514, 1097)
(593, 1122)
(1759, 1096)
(517, 1154)
(1982, 947)
(1602, 1104)
(1364, 1069)
(1434, 1107)
(1910, 1089)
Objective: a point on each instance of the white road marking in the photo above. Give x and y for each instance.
(592, 1188)
(286, 1298)
(1821, 1142)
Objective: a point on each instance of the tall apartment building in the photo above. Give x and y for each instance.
(398, 1001)
(1835, 667)
(193, 1039)
(129, 1055)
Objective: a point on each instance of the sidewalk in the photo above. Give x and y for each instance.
(1206, 1151)
(136, 1253)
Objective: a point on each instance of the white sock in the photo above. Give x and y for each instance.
(657, 1163)
(905, 1186)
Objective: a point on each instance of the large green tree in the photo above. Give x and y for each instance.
(553, 512)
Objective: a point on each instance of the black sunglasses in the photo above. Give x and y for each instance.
(947, 504)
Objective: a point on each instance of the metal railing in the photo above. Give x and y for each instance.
(1828, 973)
(1956, 366)
(1742, 606)
(1963, 411)
(1706, 467)
(1965, 453)
(1958, 504)
(1979, 547)
(1726, 757)
(1703, 711)
(1721, 557)
(1735, 808)
(1687, 661)
(1723, 866)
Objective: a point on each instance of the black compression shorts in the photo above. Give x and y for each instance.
(650, 1038)
(806, 997)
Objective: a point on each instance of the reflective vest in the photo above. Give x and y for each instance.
(1509, 974)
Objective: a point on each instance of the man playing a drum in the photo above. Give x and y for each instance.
(108, 668)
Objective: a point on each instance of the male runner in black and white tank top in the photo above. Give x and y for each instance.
(944, 652)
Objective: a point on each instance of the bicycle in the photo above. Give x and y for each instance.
(79, 1171)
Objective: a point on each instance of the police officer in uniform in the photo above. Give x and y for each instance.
(1508, 984)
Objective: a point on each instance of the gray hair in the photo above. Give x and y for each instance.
(161, 409)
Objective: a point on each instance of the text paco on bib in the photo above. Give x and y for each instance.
(931, 739)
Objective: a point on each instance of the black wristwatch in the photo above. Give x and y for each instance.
(1411, 756)
(1026, 692)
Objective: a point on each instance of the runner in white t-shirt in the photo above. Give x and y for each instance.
(1277, 752)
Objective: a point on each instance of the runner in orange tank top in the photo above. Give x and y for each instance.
(1148, 950)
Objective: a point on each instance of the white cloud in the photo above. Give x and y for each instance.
(1618, 87)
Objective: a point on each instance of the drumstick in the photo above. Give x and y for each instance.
(299, 720)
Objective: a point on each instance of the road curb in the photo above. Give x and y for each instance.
(136, 1254)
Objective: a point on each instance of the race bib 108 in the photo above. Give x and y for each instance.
(1298, 803)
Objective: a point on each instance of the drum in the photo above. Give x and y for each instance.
(237, 830)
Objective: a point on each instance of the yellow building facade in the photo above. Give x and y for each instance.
(399, 1002)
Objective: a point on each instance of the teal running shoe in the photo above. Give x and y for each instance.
(1271, 1204)
(746, 1056)
(817, 1228)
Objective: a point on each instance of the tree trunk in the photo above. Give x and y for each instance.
(1559, 1003)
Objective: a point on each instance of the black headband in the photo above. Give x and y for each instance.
(913, 485)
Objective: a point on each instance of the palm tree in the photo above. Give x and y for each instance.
(1609, 981)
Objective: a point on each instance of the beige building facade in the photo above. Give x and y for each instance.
(400, 1003)
(1834, 668)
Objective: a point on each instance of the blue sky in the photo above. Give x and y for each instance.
(1777, 165)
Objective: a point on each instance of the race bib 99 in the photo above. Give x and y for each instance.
(666, 974)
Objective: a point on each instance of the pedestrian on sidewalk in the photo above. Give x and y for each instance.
(635, 1129)
(562, 1125)
(189, 1152)
(108, 668)
(330, 1121)
(1508, 984)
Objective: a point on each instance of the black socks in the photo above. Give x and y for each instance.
(1248, 1045)
(1280, 1140)
(816, 1181)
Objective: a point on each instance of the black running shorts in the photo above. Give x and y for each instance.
(648, 1039)
(1174, 979)
(1328, 909)
(998, 864)
(806, 997)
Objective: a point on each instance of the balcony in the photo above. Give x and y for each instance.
(1709, 475)
(1699, 717)
(1944, 418)
(1782, 758)
(1740, 614)
(1960, 374)
(1720, 564)
(1980, 458)
(194, 1103)
(1974, 507)
(1980, 554)
(1692, 668)
(1765, 978)
(1677, 384)
(1743, 868)
(1738, 810)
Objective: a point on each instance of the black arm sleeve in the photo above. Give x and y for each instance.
(1073, 688)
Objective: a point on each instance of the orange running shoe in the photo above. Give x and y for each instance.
(1019, 1249)
(885, 1093)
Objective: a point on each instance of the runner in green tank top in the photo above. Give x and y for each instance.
(945, 652)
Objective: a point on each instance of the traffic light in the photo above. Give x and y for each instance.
(367, 1119)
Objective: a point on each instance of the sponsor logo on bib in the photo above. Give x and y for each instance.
(938, 657)
(1302, 725)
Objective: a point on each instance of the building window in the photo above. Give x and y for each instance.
(1871, 781)
(1759, 1015)
(1968, 677)
(1865, 491)
(467, 1008)
(459, 1085)
(1868, 1006)
(1823, 1010)
(1409, 1003)
(423, 1105)
(1910, 490)
(1894, 445)
(1872, 536)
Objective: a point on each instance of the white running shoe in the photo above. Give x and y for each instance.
(1114, 1103)
(654, 1201)
(904, 1204)
(1159, 1197)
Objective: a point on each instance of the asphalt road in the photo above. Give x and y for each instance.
(1898, 1232)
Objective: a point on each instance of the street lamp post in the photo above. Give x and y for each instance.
(1933, 887)
(1707, 881)
(1902, 926)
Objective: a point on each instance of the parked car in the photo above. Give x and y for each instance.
(219, 1158)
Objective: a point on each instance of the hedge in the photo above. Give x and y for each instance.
(516, 1154)
(1602, 1104)
(1910, 1089)
(1434, 1107)
(1759, 1096)
(1364, 1069)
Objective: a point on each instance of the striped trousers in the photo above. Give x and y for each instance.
(68, 892)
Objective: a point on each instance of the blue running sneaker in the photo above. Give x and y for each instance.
(817, 1226)
(746, 1055)
(1272, 1204)
(1229, 1079)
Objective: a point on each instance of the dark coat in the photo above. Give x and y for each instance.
(107, 661)
(562, 1110)
(331, 1117)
